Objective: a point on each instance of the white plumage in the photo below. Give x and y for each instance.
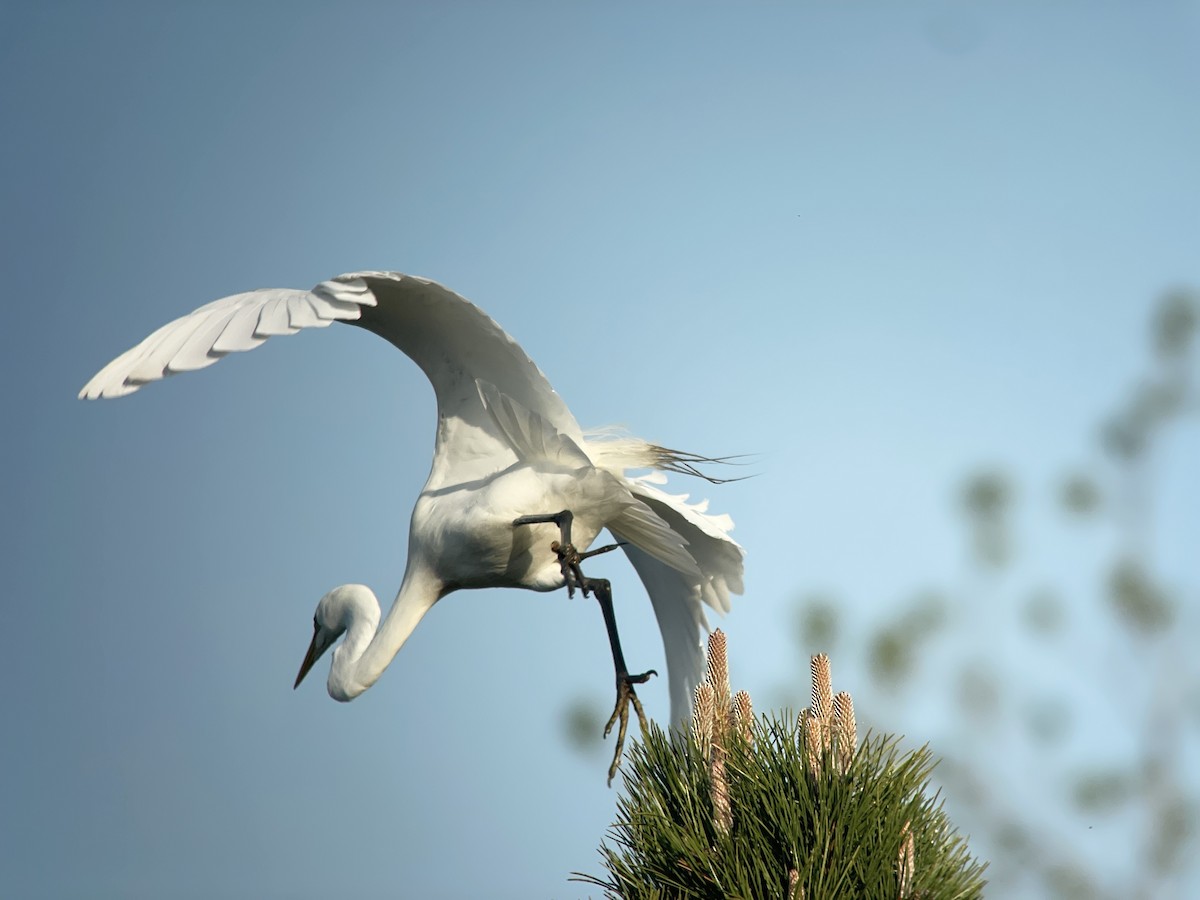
(507, 446)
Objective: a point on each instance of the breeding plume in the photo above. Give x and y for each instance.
(517, 492)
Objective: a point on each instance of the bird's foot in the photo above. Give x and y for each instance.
(568, 556)
(569, 559)
(626, 697)
(605, 549)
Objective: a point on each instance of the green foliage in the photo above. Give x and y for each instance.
(1175, 323)
(831, 835)
(988, 494)
(1080, 495)
(817, 622)
(892, 656)
(1138, 600)
(987, 499)
(582, 725)
(895, 649)
(1044, 613)
(1100, 791)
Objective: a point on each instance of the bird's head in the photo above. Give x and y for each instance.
(341, 609)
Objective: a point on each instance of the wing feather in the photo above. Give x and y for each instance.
(196, 352)
(232, 324)
(325, 309)
(679, 598)
(302, 315)
(718, 556)
(457, 345)
(530, 435)
(238, 333)
(273, 320)
(680, 621)
(153, 362)
(116, 373)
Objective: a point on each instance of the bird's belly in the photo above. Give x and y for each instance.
(471, 540)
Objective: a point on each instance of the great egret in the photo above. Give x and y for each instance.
(517, 492)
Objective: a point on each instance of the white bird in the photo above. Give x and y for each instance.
(517, 492)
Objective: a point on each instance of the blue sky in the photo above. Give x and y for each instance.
(875, 246)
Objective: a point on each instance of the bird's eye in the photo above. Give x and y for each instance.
(315, 625)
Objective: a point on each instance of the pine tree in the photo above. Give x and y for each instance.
(788, 807)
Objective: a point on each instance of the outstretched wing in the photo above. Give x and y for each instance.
(679, 598)
(231, 324)
(454, 342)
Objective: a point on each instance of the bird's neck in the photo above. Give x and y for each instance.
(418, 592)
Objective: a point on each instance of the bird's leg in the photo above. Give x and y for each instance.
(626, 695)
(570, 558)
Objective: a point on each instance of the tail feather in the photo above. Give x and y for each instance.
(613, 450)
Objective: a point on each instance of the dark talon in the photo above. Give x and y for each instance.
(626, 696)
(569, 559)
(605, 549)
